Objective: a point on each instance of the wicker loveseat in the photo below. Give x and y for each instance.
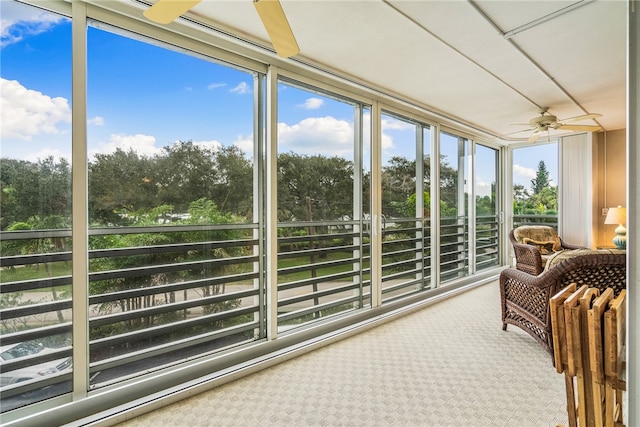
(525, 297)
(534, 244)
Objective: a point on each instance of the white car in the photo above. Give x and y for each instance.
(27, 349)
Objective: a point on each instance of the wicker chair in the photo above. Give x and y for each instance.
(533, 244)
(525, 297)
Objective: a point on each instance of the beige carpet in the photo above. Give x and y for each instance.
(447, 365)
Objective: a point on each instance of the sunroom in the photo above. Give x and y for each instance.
(181, 198)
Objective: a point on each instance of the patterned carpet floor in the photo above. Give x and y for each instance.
(450, 364)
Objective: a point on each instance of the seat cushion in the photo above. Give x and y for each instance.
(541, 234)
(545, 247)
(558, 257)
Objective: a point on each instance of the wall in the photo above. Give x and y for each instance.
(610, 181)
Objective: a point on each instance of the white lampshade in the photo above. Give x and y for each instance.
(616, 216)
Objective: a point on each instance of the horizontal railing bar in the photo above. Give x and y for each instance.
(36, 333)
(314, 280)
(410, 240)
(315, 237)
(165, 348)
(316, 266)
(25, 362)
(316, 309)
(318, 294)
(66, 232)
(403, 285)
(317, 251)
(163, 329)
(402, 263)
(178, 247)
(401, 274)
(168, 308)
(9, 261)
(304, 224)
(404, 251)
(165, 268)
(31, 284)
(115, 252)
(173, 287)
(22, 387)
(33, 309)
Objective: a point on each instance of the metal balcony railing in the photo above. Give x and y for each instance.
(165, 294)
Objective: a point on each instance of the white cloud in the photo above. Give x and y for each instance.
(317, 135)
(216, 85)
(390, 123)
(47, 152)
(483, 188)
(144, 145)
(523, 175)
(387, 141)
(245, 143)
(241, 89)
(211, 145)
(26, 112)
(96, 121)
(19, 21)
(312, 104)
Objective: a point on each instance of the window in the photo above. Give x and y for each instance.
(487, 208)
(455, 181)
(35, 302)
(321, 247)
(405, 206)
(535, 184)
(174, 248)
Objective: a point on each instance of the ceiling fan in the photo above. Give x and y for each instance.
(270, 12)
(546, 122)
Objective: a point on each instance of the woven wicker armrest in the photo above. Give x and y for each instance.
(528, 258)
(566, 245)
(525, 297)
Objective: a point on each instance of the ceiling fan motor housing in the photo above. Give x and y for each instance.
(543, 121)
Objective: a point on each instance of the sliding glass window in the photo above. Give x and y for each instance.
(455, 186)
(321, 209)
(174, 211)
(487, 225)
(406, 260)
(535, 184)
(35, 239)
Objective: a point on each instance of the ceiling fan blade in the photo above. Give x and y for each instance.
(534, 137)
(580, 127)
(277, 26)
(583, 117)
(165, 11)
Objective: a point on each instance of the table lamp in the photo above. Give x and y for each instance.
(618, 216)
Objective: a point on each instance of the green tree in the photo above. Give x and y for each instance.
(233, 189)
(542, 180)
(27, 189)
(120, 183)
(185, 172)
(314, 187)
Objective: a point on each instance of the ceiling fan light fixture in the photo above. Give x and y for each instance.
(165, 11)
(277, 26)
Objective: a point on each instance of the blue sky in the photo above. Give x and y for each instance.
(144, 97)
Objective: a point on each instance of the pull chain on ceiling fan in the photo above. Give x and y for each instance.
(270, 12)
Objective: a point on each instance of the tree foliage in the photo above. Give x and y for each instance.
(314, 187)
(542, 199)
